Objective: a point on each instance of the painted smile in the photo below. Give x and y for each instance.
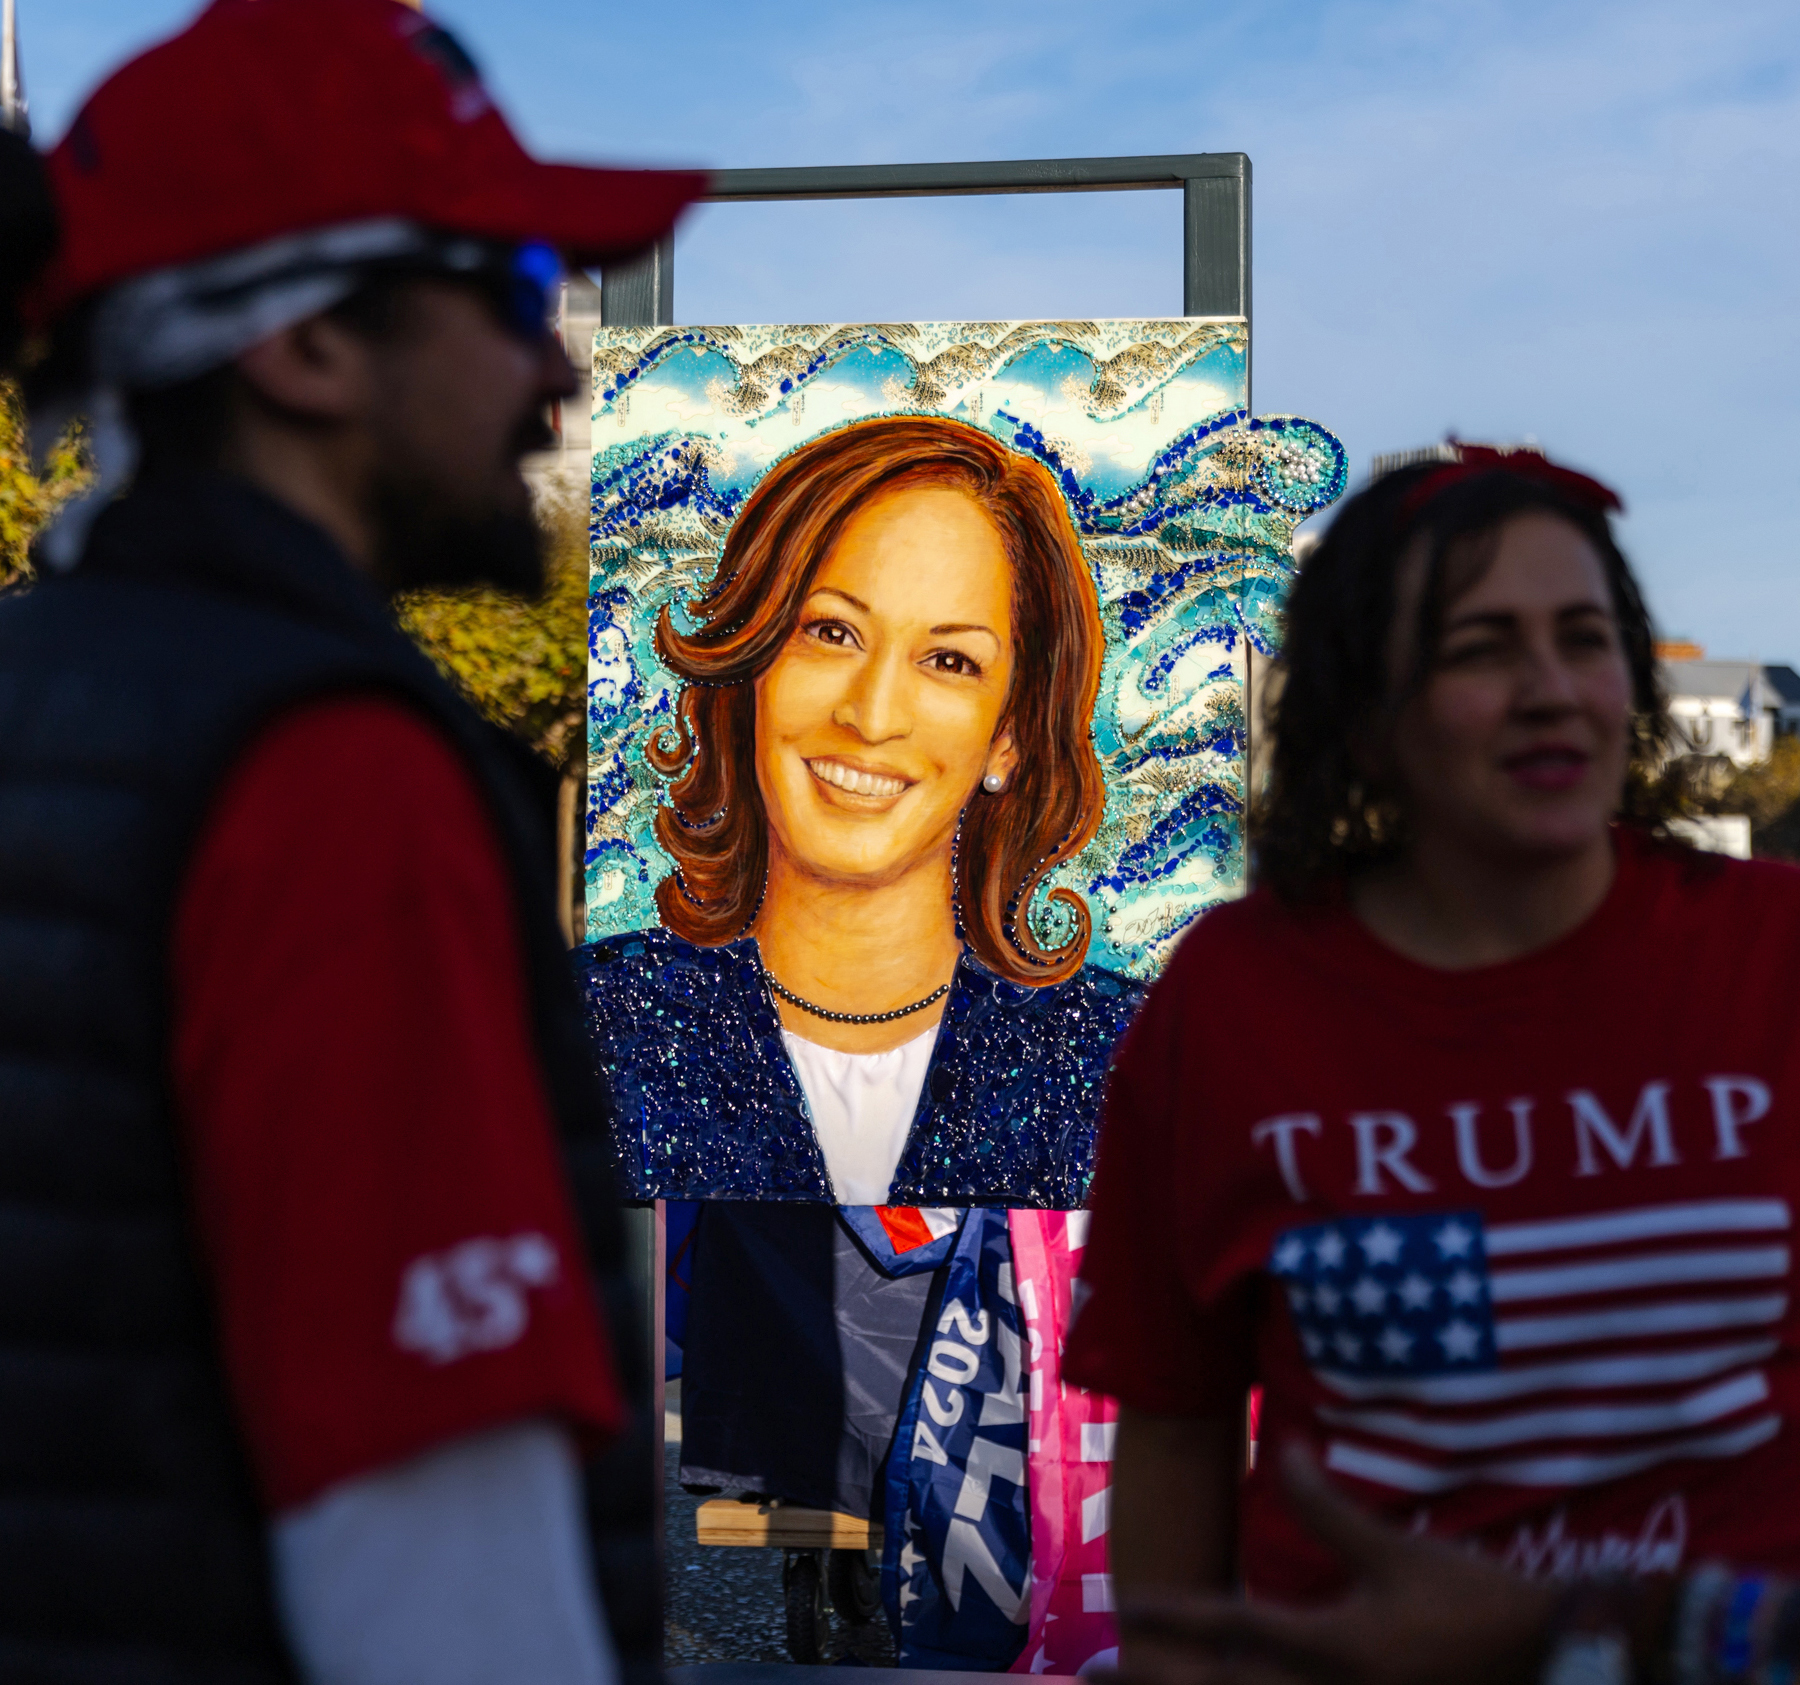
(857, 780)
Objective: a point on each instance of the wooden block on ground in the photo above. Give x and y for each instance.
(725, 1521)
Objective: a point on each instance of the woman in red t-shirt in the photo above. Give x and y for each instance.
(1468, 1136)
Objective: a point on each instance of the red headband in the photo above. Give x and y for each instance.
(1472, 460)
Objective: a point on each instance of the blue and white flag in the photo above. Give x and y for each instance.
(1551, 1353)
(956, 1568)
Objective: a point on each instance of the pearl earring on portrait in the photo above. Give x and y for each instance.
(994, 783)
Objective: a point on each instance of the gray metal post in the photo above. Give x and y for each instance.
(647, 1262)
(1155, 173)
(640, 293)
(1216, 215)
(12, 92)
(1215, 238)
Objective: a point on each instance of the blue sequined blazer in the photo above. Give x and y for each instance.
(709, 1107)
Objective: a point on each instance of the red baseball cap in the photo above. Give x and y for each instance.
(269, 117)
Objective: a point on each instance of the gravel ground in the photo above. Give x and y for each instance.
(724, 1602)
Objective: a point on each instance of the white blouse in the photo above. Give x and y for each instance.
(862, 1107)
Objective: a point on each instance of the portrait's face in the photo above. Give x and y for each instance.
(883, 713)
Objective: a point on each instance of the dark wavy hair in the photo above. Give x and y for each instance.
(1319, 818)
(714, 825)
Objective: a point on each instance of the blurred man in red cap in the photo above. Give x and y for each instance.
(302, 1199)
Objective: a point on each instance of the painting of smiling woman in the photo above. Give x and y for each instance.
(882, 747)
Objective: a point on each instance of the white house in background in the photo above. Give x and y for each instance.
(1734, 709)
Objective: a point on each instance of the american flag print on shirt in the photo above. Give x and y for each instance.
(1553, 1353)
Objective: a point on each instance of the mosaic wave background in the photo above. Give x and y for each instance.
(1185, 507)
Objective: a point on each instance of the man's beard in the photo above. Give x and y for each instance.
(423, 541)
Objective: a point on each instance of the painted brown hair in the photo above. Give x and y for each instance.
(714, 825)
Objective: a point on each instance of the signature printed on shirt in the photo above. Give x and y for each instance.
(472, 1297)
(1658, 1547)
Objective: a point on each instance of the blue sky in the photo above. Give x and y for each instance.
(1578, 223)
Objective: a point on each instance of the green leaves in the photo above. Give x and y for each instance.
(29, 499)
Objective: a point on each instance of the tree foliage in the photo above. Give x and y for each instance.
(28, 498)
(1769, 793)
(523, 664)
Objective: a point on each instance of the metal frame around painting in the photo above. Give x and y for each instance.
(1215, 281)
(1215, 189)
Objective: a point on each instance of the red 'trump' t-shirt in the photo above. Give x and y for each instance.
(1510, 1247)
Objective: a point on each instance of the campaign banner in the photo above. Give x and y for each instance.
(1072, 1624)
(956, 1568)
(903, 1239)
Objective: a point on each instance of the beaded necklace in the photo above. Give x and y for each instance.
(793, 999)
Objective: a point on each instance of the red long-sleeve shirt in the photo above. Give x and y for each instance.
(376, 1180)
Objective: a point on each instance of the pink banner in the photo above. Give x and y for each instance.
(1070, 1462)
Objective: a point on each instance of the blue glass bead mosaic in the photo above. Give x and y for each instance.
(708, 1106)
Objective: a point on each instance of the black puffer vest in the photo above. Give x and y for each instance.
(131, 1545)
